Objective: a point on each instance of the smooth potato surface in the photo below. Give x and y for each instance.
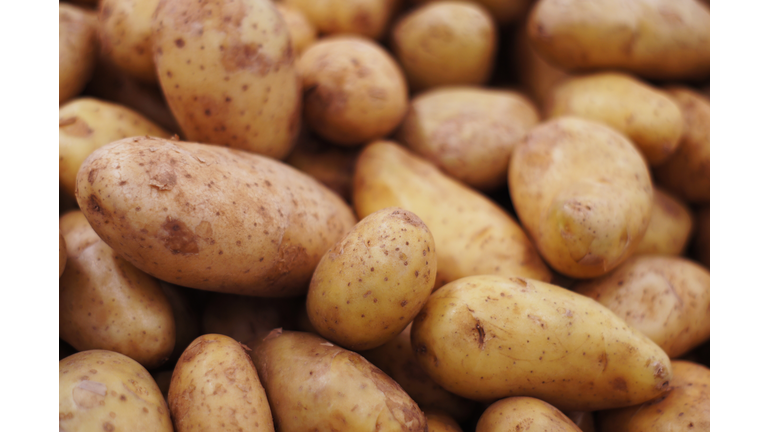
(524, 413)
(670, 226)
(78, 49)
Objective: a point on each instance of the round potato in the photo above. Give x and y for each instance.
(367, 18)
(354, 91)
(125, 31)
(78, 49)
(102, 390)
(303, 32)
(670, 226)
(62, 254)
(524, 413)
(701, 240)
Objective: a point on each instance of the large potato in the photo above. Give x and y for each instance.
(78, 49)
(125, 31)
(584, 194)
(216, 387)
(208, 217)
(660, 39)
(314, 385)
(472, 234)
(227, 71)
(524, 413)
(669, 228)
(105, 391)
(362, 17)
(489, 337)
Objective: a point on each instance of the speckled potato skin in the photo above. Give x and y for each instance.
(583, 193)
(78, 49)
(490, 337)
(658, 39)
(102, 390)
(354, 91)
(212, 218)
(524, 413)
(468, 132)
(125, 32)
(670, 226)
(647, 116)
(303, 32)
(62, 254)
(472, 234)
(314, 385)
(86, 124)
(215, 386)
(685, 408)
(227, 71)
(445, 43)
(664, 297)
(106, 303)
(362, 17)
(438, 421)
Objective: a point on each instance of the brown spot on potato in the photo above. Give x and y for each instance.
(107, 426)
(163, 176)
(177, 237)
(619, 384)
(75, 126)
(180, 42)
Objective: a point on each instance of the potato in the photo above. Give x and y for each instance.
(659, 39)
(438, 421)
(212, 218)
(215, 387)
(106, 391)
(78, 49)
(354, 91)
(86, 124)
(472, 234)
(303, 32)
(314, 385)
(536, 76)
(445, 43)
(584, 194)
(106, 303)
(247, 318)
(503, 11)
(383, 270)
(62, 254)
(524, 413)
(227, 71)
(666, 298)
(647, 116)
(669, 228)
(362, 17)
(330, 165)
(489, 337)
(125, 31)
(468, 132)
(686, 173)
(701, 239)
(684, 408)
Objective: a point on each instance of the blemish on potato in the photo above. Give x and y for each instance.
(177, 237)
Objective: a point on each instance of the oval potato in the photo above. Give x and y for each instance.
(670, 226)
(78, 49)
(524, 413)
(125, 31)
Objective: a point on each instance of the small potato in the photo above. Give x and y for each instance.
(125, 31)
(445, 43)
(701, 239)
(666, 298)
(78, 49)
(354, 91)
(647, 116)
(468, 132)
(361, 17)
(583, 192)
(247, 318)
(216, 387)
(524, 413)
(331, 165)
(503, 11)
(438, 421)
(670, 227)
(303, 32)
(86, 124)
(102, 390)
(62, 254)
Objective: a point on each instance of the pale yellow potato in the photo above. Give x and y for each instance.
(701, 238)
(524, 413)
(659, 39)
(247, 318)
(78, 49)
(664, 297)
(227, 72)
(331, 165)
(468, 132)
(583, 192)
(646, 115)
(439, 421)
(102, 390)
(354, 91)
(86, 124)
(303, 32)
(503, 11)
(670, 227)
(208, 217)
(313, 384)
(125, 31)
(215, 386)
(376, 278)
(62, 254)
(445, 43)
(684, 409)
(537, 77)
(367, 18)
(106, 303)
(489, 337)
(473, 235)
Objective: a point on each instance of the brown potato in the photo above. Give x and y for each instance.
(701, 239)
(362, 17)
(524, 413)
(78, 49)
(303, 32)
(125, 31)
(670, 227)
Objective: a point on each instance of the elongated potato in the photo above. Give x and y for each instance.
(489, 337)
(78, 49)
(125, 31)
(227, 71)
(102, 390)
(208, 217)
(362, 17)
(472, 234)
(524, 413)
(216, 387)
(670, 226)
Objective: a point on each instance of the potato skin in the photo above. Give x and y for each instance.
(438, 421)
(524, 413)
(488, 337)
(78, 49)
(362, 17)
(670, 226)
(102, 390)
(584, 194)
(212, 218)
(314, 385)
(216, 387)
(472, 234)
(125, 32)
(664, 297)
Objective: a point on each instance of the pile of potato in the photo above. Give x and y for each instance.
(395, 215)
